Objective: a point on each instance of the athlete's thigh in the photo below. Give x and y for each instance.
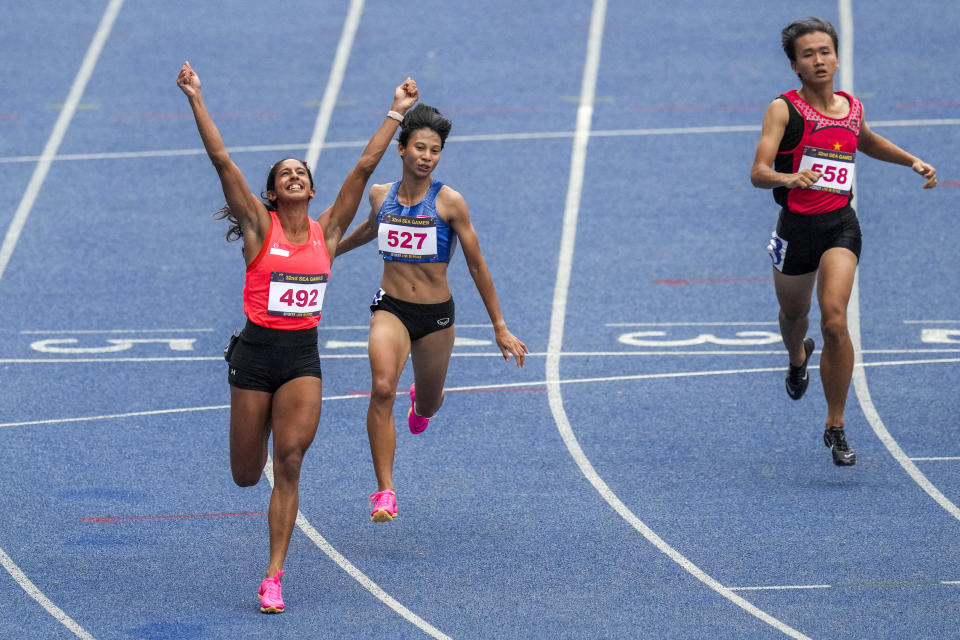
(794, 293)
(838, 267)
(388, 347)
(431, 357)
(249, 428)
(296, 413)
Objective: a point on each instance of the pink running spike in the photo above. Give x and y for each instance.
(417, 424)
(271, 599)
(383, 506)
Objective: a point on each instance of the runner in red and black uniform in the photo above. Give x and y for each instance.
(807, 154)
(274, 365)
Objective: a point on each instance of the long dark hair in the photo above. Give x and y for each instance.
(235, 232)
(423, 116)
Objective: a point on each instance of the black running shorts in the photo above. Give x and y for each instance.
(419, 319)
(264, 359)
(800, 241)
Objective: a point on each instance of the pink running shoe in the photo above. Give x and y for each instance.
(271, 600)
(383, 506)
(417, 424)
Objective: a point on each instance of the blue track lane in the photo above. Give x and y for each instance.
(118, 501)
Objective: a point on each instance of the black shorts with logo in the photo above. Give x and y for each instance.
(801, 240)
(419, 319)
(263, 359)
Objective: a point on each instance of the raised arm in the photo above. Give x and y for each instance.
(762, 173)
(337, 218)
(249, 212)
(459, 220)
(878, 147)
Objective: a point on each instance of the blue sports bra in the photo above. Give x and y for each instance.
(416, 233)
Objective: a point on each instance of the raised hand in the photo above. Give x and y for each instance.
(188, 81)
(405, 96)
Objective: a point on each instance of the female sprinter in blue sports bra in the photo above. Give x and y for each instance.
(417, 222)
(807, 153)
(274, 370)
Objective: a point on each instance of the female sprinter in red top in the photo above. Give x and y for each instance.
(417, 221)
(807, 154)
(274, 370)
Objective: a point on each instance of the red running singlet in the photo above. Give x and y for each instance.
(286, 282)
(828, 146)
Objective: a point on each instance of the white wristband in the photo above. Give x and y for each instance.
(396, 116)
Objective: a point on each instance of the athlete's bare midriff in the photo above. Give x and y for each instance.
(422, 283)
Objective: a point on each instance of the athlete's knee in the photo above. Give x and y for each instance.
(834, 328)
(383, 389)
(245, 477)
(427, 406)
(287, 463)
(793, 314)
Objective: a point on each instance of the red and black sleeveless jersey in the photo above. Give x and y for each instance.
(823, 144)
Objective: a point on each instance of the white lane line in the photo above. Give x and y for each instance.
(478, 387)
(851, 585)
(35, 593)
(332, 90)
(782, 587)
(491, 137)
(313, 153)
(532, 354)
(13, 235)
(937, 459)
(853, 319)
(558, 313)
(354, 572)
(59, 131)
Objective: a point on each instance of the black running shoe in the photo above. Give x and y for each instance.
(797, 377)
(843, 455)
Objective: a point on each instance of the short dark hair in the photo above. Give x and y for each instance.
(798, 28)
(423, 116)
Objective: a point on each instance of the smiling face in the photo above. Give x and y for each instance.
(421, 154)
(816, 58)
(290, 181)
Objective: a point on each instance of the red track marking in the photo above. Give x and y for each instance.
(711, 280)
(537, 389)
(950, 183)
(9, 116)
(114, 519)
(405, 391)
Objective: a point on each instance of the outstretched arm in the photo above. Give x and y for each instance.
(244, 206)
(336, 219)
(459, 221)
(878, 147)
